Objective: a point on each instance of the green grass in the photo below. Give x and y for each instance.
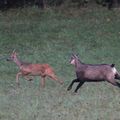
(51, 36)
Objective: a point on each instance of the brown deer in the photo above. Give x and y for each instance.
(28, 70)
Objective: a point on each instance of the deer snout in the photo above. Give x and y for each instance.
(9, 59)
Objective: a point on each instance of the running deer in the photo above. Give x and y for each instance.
(93, 73)
(28, 70)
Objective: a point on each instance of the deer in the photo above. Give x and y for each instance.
(29, 70)
(93, 73)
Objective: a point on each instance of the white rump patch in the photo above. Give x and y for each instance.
(114, 70)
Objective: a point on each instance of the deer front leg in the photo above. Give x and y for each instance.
(79, 85)
(70, 86)
(29, 78)
(43, 82)
(17, 78)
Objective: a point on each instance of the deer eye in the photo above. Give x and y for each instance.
(72, 58)
(12, 57)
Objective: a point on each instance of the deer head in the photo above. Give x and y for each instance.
(73, 58)
(12, 56)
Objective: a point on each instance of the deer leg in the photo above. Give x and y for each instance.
(17, 77)
(117, 76)
(29, 78)
(113, 82)
(70, 86)
(43, 82)
(55, 78)
(79, 85)
(118, 84)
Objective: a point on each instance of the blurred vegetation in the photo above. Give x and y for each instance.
(5, 4)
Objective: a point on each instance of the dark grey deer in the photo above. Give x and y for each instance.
(93, 73)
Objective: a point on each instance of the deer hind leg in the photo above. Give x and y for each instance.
(43, 81)
(114, 82)
(54, 77)
(117, 76)
(17, 77)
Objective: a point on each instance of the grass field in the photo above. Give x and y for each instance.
(51, 36)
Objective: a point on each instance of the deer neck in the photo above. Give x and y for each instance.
(17, 61)
(78, 63)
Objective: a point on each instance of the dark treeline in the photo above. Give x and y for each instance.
(5, 4)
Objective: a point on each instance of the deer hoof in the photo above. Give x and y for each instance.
(69, 88)
(30, 80)
(75, 93)
(61, 82)
(18, 84)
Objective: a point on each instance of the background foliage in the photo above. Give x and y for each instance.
(5, 4)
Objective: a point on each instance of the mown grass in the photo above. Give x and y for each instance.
(50, 36)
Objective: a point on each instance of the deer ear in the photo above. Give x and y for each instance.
(73, 54)
(14, 51)
(76, 55)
